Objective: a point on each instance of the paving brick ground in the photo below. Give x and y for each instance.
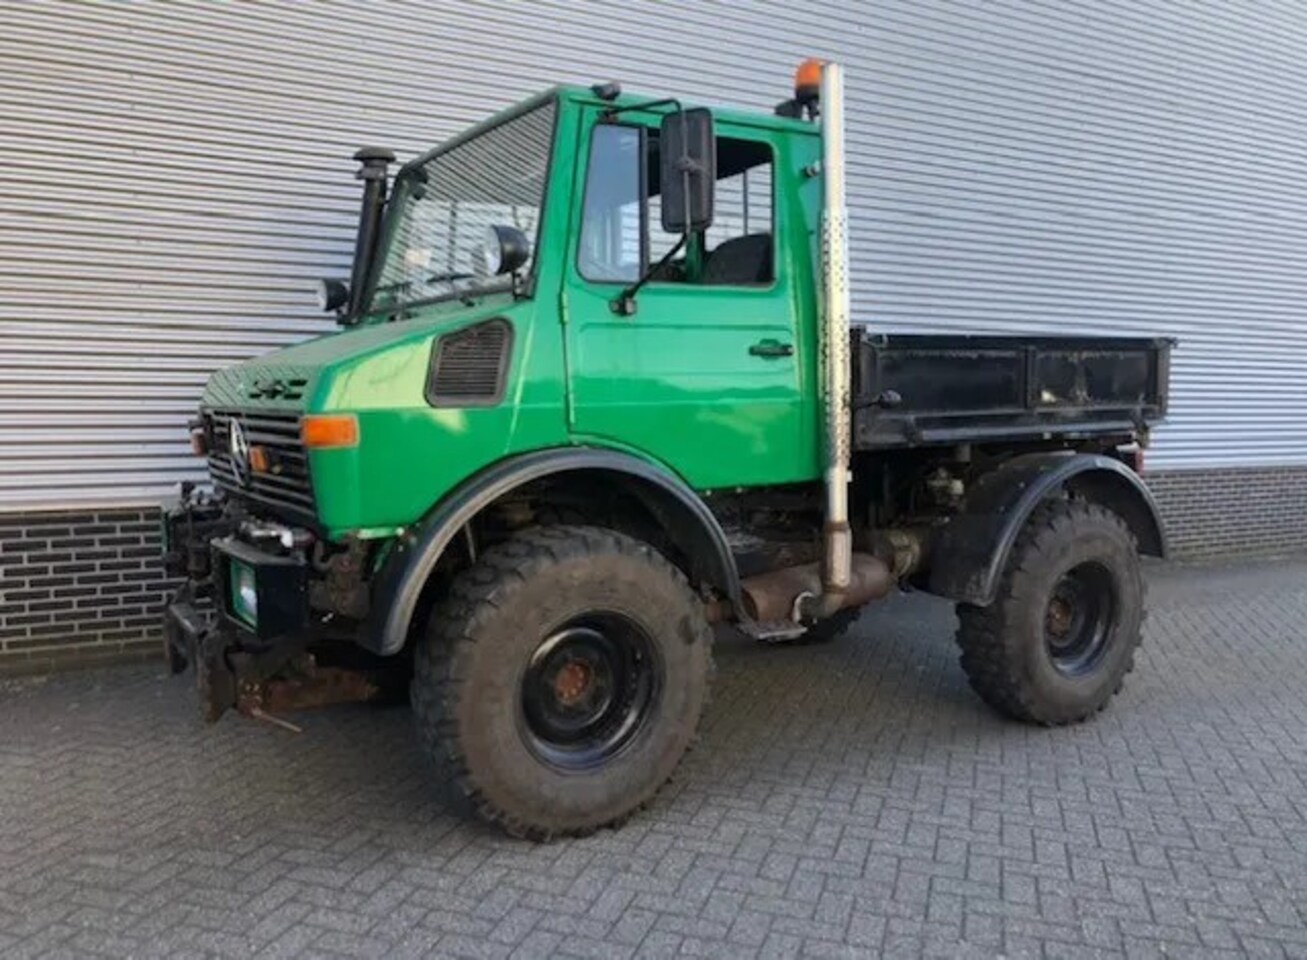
(845, 801)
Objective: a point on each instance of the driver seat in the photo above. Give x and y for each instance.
(745, 259)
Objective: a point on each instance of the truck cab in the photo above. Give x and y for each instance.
(595, 388)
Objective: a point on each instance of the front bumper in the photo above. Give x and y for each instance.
(233, 658)
(201, 626)
(255, 639)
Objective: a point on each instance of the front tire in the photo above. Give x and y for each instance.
(1059, 638)
(562, 679)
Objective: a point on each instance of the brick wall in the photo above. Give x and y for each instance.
(88, 586)
(1236, 512)
(79, 588)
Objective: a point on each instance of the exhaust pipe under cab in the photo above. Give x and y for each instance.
(778, 595)
(774, 596)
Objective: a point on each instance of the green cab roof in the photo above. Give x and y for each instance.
(586, 97)
(770, 121)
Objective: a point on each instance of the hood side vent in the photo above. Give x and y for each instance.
(469, 367)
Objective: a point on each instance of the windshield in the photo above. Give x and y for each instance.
(442, 210)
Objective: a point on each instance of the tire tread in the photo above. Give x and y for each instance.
(991, 665)
(460, 619)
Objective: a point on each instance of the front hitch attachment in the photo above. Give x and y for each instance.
(192, 636)
(258, 683)
(299, 684)
(214, 680)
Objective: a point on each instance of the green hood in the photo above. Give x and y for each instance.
(353, 368)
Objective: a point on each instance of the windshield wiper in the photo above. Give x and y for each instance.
(467, 297)
(464, 297)
(402, 285)
(400, 309)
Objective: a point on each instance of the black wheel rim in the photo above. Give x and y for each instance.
(1079, 619)
(588, 690)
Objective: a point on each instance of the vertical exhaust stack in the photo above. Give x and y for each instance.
(375, 161)
(838, 536)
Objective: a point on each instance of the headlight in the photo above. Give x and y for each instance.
(332, 294)
(244, 593)
(490, 252)
(506, 249)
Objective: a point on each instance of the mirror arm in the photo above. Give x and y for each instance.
(647, 105)
(624, 305)
(521, 287)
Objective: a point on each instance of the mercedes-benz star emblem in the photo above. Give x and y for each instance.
(239, 447)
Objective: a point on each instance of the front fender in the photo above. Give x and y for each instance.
(416, 552)
(973, 547)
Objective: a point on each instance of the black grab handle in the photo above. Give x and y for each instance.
(771, 348)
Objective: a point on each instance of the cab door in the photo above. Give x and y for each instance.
(706, 374)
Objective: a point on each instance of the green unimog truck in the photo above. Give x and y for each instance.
(595, 388)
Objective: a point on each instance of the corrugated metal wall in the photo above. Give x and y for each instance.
(176, 176)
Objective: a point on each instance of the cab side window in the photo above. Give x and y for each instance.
(738, 245)
(621, 233)
(612, 229)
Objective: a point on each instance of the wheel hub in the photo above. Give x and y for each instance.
(1079, 618)
(1059, 617)
(588, 689)
(572, 682)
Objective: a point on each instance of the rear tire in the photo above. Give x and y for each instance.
(562, 679)
(1059, 638)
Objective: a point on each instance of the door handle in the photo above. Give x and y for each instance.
(771, 349)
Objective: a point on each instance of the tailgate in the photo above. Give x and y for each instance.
(927, 389)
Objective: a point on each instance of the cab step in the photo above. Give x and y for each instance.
(773, 631)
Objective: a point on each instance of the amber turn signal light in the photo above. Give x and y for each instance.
(259, 459)
(807, 79)
(330, 431)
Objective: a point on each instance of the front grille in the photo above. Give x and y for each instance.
(285, 487)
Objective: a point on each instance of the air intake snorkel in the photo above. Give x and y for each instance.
(374, 163)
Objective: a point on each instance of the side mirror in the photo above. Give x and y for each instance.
(506, 250)
(688, 170)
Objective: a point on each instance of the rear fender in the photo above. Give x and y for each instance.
(973, 548)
